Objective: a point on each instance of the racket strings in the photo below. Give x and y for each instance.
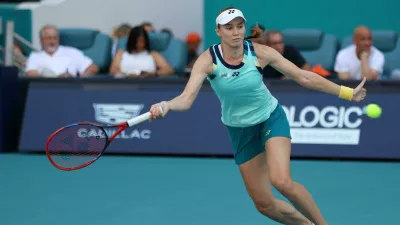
(77, 145)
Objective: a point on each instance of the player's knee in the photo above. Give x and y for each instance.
(284, 185)
(264, 206)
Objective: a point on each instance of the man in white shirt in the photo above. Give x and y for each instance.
(56, 60)
(360, 59)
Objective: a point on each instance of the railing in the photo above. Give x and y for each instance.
(12, 56)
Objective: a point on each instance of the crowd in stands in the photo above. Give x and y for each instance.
(360, 59)
(135, 59)
(138, 58)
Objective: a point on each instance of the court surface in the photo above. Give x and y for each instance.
(184, 191)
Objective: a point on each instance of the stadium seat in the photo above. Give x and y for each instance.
(176, 55)
(316, 46)
(174, 50)
(389, 43)
(158, 41)
(93, 43)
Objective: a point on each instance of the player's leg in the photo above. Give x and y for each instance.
(250, 156)
(278, 160)
(277, 139)
(255, 176)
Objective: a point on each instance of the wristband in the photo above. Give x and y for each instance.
(346, 93)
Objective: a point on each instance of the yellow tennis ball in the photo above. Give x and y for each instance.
(373, 111)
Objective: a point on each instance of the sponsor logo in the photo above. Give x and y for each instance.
(225, 75)
(113, 114)
(326, 125)
(116, 113)
(228, 75)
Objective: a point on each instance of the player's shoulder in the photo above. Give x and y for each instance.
(204, 62)
(263, 52)
(205, 57)
(211, 50)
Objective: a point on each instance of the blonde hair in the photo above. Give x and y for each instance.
(256, 32)
(121, 31)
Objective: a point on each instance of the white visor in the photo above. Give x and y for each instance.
(228, 15)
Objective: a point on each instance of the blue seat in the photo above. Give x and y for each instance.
(92, 43)
(174, 50)
(315, 46)
(176, 54)
(158, 41)
(388, 42)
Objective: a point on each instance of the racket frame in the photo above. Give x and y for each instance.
(122, 126)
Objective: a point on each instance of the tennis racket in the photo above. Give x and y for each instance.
(78, 145)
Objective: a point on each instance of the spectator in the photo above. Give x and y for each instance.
(19, 49)
(168, 31)
(56, 60)
(137, 60)
(360, 59)
(193, 41)
(120, 32)
(148, 27)
(274, 39)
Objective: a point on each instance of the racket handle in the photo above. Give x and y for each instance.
(141, 118)
(138, 119)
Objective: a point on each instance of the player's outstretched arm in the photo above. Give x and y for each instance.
(201, 68)
(309, 79)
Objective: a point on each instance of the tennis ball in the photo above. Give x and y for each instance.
(373, 111)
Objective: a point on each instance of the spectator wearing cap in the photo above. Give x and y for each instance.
(193, 41)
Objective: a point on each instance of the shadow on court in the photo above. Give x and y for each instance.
(183, 191)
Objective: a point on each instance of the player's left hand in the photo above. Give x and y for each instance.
(360, 92)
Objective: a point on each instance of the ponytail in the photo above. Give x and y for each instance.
(256, 32)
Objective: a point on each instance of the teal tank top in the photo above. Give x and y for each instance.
(245, 100)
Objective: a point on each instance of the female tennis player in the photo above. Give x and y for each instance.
(256, 123)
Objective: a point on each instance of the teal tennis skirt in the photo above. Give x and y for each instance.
(248, 142)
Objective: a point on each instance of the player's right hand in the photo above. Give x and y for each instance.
(158, 110)
(360, 92)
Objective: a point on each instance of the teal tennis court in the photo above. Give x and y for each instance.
(122, 190)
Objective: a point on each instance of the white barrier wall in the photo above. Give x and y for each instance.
(106, 14)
